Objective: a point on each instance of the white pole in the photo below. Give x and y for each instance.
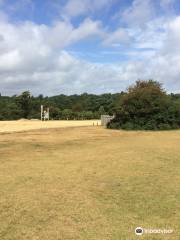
(48, 113)
(41, 112)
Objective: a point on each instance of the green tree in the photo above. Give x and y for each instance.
(101, 110)
(146, 106)
(24, 101)
(67, 114)
(55, 113)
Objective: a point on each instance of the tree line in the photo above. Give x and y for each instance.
(84, 106)
(145, 105)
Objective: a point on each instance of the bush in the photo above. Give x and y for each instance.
(164, 126)
(128, 126)
(146, 106)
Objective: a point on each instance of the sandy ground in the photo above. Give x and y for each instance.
(24, 125)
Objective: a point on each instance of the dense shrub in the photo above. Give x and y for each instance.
(146, 106)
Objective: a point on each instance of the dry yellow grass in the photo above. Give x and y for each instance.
(24, 125)
(88, 183)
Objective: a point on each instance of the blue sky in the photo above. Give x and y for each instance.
(77, 46)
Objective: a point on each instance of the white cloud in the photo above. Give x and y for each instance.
(153, 36)
(62, 34)
(164, 64)
(139, 13)
(171, 44)
(10, 61)
(116, 38)
(30, 53)
(34, 44)
(74, 8)
(33, 57)
(87, 28)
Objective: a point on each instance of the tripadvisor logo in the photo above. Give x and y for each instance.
(139, 231)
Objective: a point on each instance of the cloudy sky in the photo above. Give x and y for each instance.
(94, 46)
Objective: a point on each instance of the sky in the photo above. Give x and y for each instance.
(52, 47)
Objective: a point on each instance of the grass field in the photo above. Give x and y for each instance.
(88, 183)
